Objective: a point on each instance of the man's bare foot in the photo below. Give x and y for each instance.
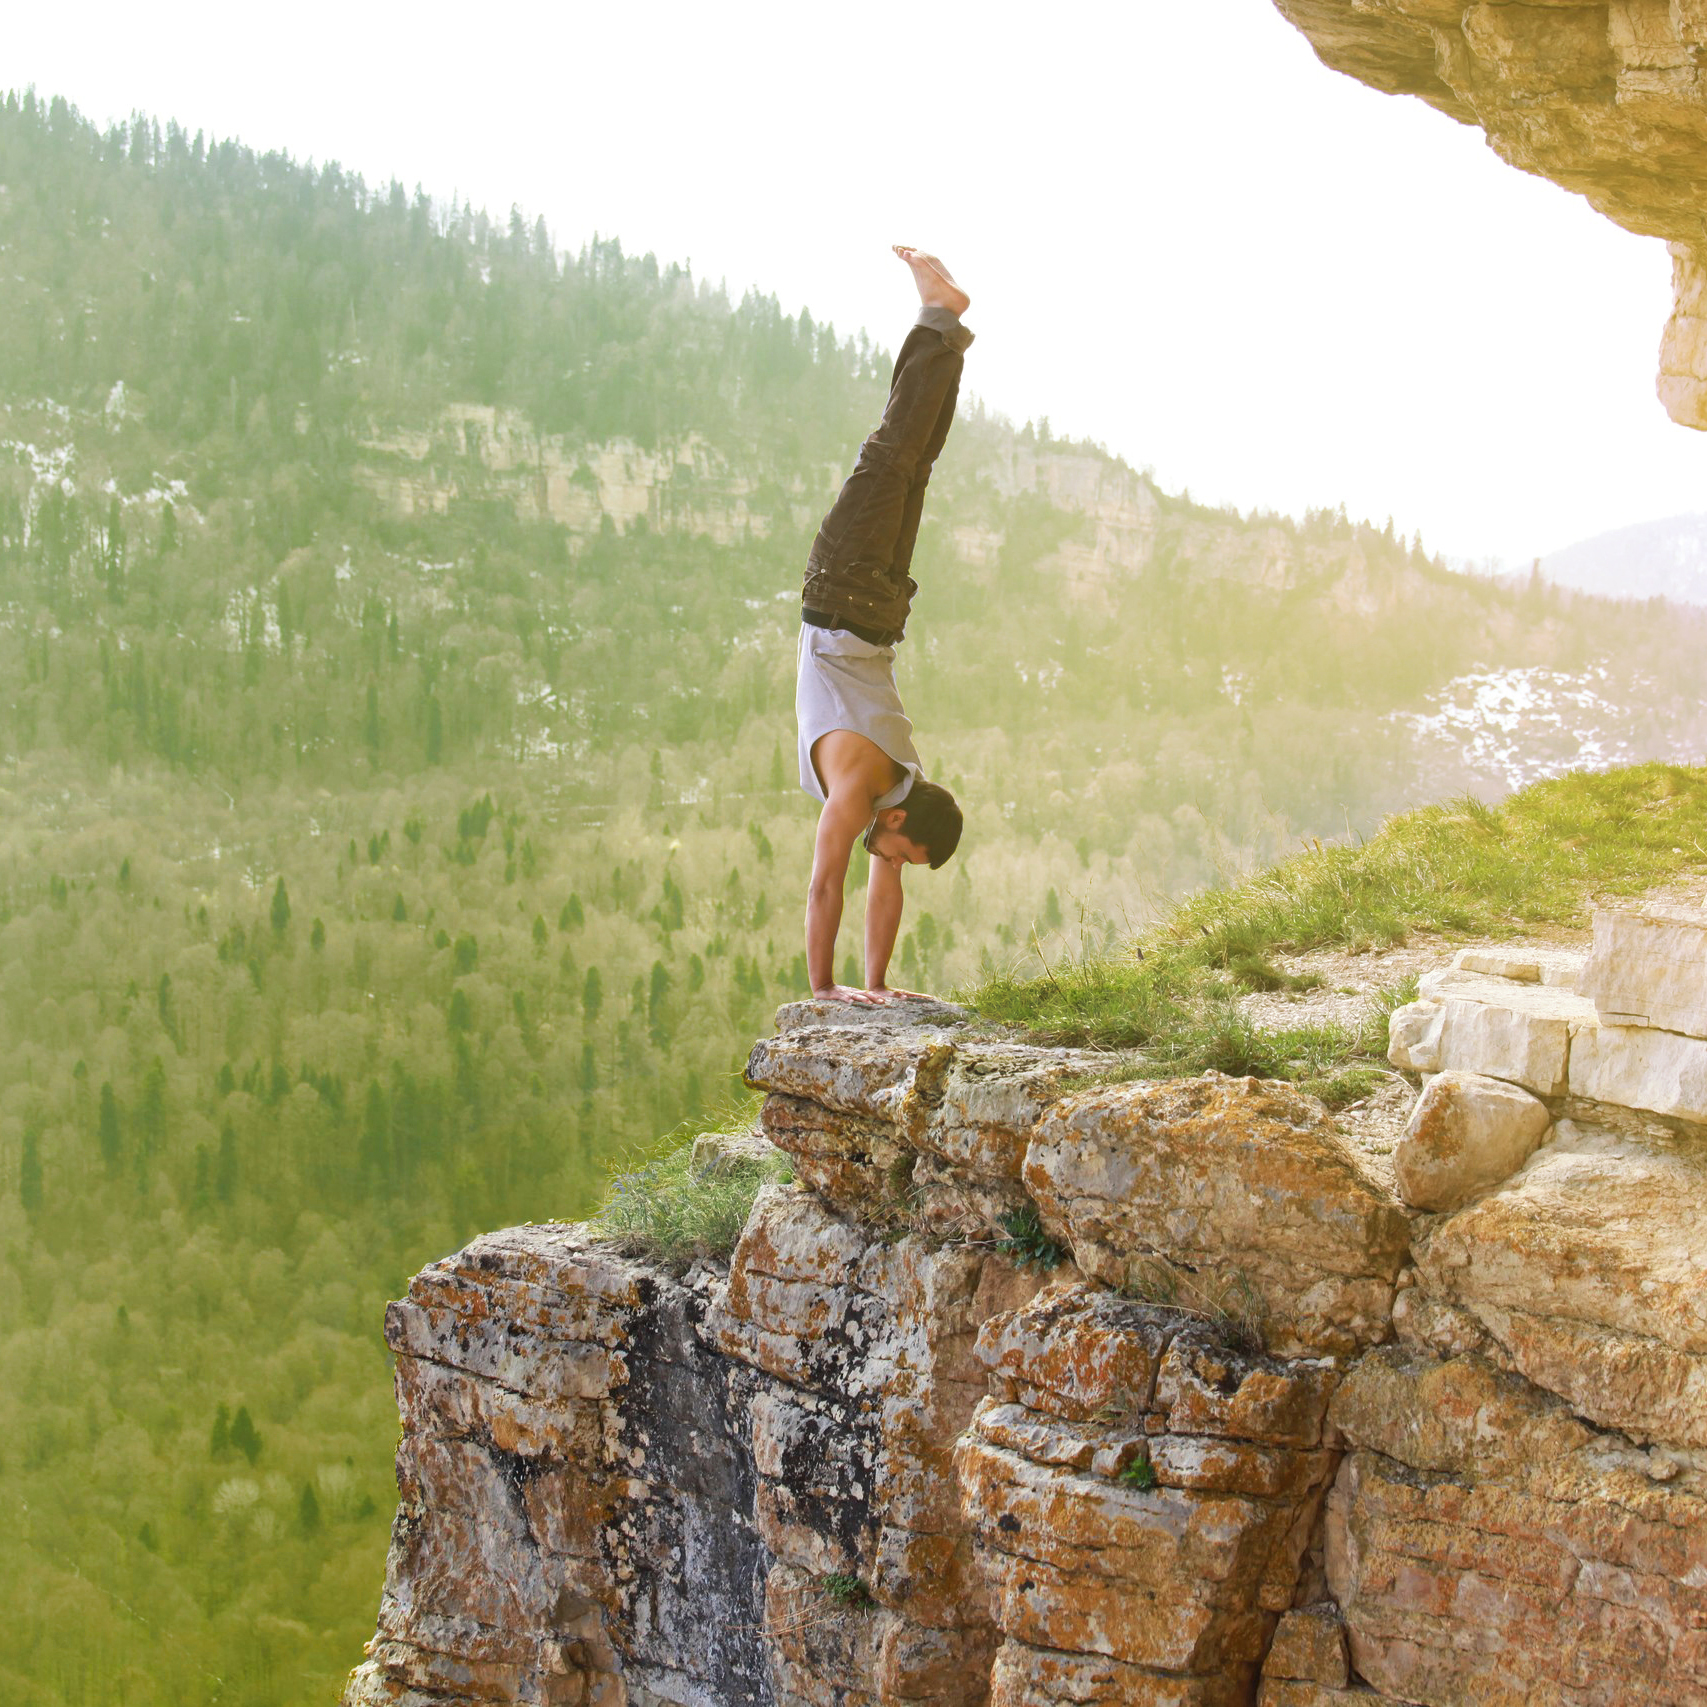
(845, 993)
(937, 288)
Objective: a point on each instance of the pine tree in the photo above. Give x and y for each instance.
(219, 1441)
(244, 1435)
(374, 1154)
(308, 1511)
(281, 908)
(656, 1024)
(201, 1193)
(225, 1170)
(108, 1132)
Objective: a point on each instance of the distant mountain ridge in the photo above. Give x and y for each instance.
(1665, 559)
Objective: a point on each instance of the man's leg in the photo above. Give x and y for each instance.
(857, 569)
(912, 513)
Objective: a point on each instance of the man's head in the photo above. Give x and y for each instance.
(923, 830)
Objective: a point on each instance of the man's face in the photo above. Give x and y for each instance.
(894, 847)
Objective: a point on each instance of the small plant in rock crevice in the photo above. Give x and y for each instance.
(846, 1590)
(1140, 1473)
(1027, 1242)
(1232, 1308)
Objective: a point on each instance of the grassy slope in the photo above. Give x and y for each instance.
(1541, 857)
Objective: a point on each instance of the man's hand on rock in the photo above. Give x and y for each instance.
(846, 993)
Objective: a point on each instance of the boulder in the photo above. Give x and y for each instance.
(1650, 969)
(1589, 1268)
(1237, 1194)
(717, 1155)
(1466, 1133)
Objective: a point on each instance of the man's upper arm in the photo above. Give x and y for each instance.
(845, 814)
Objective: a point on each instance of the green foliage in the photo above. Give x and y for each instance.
(1462, 868)
(846, 1590)
(1140, 1473)
(658, 1208)
(1026, 1240)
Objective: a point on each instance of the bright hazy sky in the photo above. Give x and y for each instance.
(1184, 236)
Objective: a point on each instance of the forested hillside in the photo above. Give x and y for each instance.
(397, 813)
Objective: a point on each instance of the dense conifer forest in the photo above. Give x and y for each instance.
(398, 817)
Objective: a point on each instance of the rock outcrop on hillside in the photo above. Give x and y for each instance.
(1263, 1433)
(1605, 99)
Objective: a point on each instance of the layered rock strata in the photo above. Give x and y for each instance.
(1605, 99)
(1261, 1433)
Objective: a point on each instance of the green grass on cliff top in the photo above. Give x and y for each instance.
(656, 1207)
(1541, 857)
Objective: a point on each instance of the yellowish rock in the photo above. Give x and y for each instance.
(1606, 100)
(1590, 1269)
(1243, 1185)
(1466, 1133)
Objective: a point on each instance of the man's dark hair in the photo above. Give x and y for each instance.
(933, 820)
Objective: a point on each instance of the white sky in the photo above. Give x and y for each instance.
(1184, 236)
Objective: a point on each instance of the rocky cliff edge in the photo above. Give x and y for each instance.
(1264, 1432)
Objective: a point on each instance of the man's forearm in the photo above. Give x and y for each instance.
(823, 921)
(882, 923)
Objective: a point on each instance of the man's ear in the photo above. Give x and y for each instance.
(892, 817)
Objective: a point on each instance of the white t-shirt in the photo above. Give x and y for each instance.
(847, 683)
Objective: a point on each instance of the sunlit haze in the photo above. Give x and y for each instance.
(1185, 237)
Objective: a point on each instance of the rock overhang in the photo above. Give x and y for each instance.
(1607, 100)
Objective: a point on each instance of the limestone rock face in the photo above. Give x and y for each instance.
(1485, 1545)
(1245, 1185)
(1148, 1586)
(1467, 1132)
(1267, 1438)
(1637, 1067)
(939, 1125)
(1589, 1268)
(1650, 969)
(1555, 967)
(1607, 100)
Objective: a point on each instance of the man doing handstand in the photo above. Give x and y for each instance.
(856, 743)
